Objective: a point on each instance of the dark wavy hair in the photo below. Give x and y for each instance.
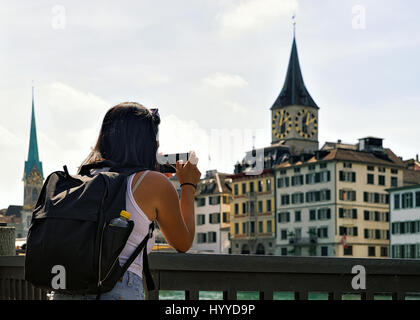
(128, 137)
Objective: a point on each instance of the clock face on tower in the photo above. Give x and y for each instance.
(282, 124)
(306, 124)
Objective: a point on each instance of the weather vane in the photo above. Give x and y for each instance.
(294, 23)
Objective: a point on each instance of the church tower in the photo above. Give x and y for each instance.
(294, 114)
(33, 176)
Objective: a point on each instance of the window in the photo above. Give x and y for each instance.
(324, 214)
(348, 176)
(260, 186)
(394, 171)
(296, 170)
(371, 168)
(201, 202)
(214, 200)
(347, 213)
(381, 180)
(371, 252)
(297, 180)
(235, 189)
(318, 177)
(417, 199)
(374, 197)
(245, 227)
(298, 216)
(370, 179)
(396, 201)
(348, 251)
(268, 205)
(312, 214)
(322, 232)
(347, 164)
(407, 200)
(324, 251)
(201, 219)
(226, 217)
(322, 165)
(269, 226)
(284, 217)
(268, 184)
(311, 167)
(236, 208)
(384, 251)
(252, 226)
(201, 237)
(260, 206)
(350, 231)
(285, 199)
(381, 169)
(298, 197)
(226, 199)
(251, 186)
(260, 226)
(283, 182)
(283, 171)
(214, 218)
(284, 251)
(283, 234)
(347, 195)
(394, 182)
(315, 196)
(243, 187)
(243, 207)
(236, 228)
(212, 237)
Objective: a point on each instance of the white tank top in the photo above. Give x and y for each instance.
(140, 230)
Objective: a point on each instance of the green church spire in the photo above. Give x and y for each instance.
(33, 157)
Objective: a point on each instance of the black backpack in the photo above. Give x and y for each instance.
(70, 228)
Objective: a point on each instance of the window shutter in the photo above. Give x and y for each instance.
(341, 176)
(328, 213)
(341, 232)
(366, 234)
(341, 212)
(354, 231)
(354, 213)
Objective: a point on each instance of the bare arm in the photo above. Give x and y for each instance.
(176, 217)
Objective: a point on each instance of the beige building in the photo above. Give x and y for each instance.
(340, 194)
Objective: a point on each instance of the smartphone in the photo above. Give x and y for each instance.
(166, 163)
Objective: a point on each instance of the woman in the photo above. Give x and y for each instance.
(128, 137)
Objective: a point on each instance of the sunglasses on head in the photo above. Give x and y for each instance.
(155, 112)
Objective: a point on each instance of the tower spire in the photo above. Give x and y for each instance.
(33, 156)
(294, 91)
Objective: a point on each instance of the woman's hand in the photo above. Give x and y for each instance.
(189, 172)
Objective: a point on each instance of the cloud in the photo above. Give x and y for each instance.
(255, 14)
(225, 80)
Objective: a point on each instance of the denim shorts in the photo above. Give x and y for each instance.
(130, 288)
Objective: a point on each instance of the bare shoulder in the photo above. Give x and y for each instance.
(155, 180)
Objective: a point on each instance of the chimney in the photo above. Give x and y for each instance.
(339, 141)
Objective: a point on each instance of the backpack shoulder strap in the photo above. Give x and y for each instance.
(139, 181)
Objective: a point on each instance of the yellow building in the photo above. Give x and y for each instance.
(252, 213)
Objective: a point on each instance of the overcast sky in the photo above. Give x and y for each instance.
(212, 67)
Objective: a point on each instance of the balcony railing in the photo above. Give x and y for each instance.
(297, 241)
(230, 274)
